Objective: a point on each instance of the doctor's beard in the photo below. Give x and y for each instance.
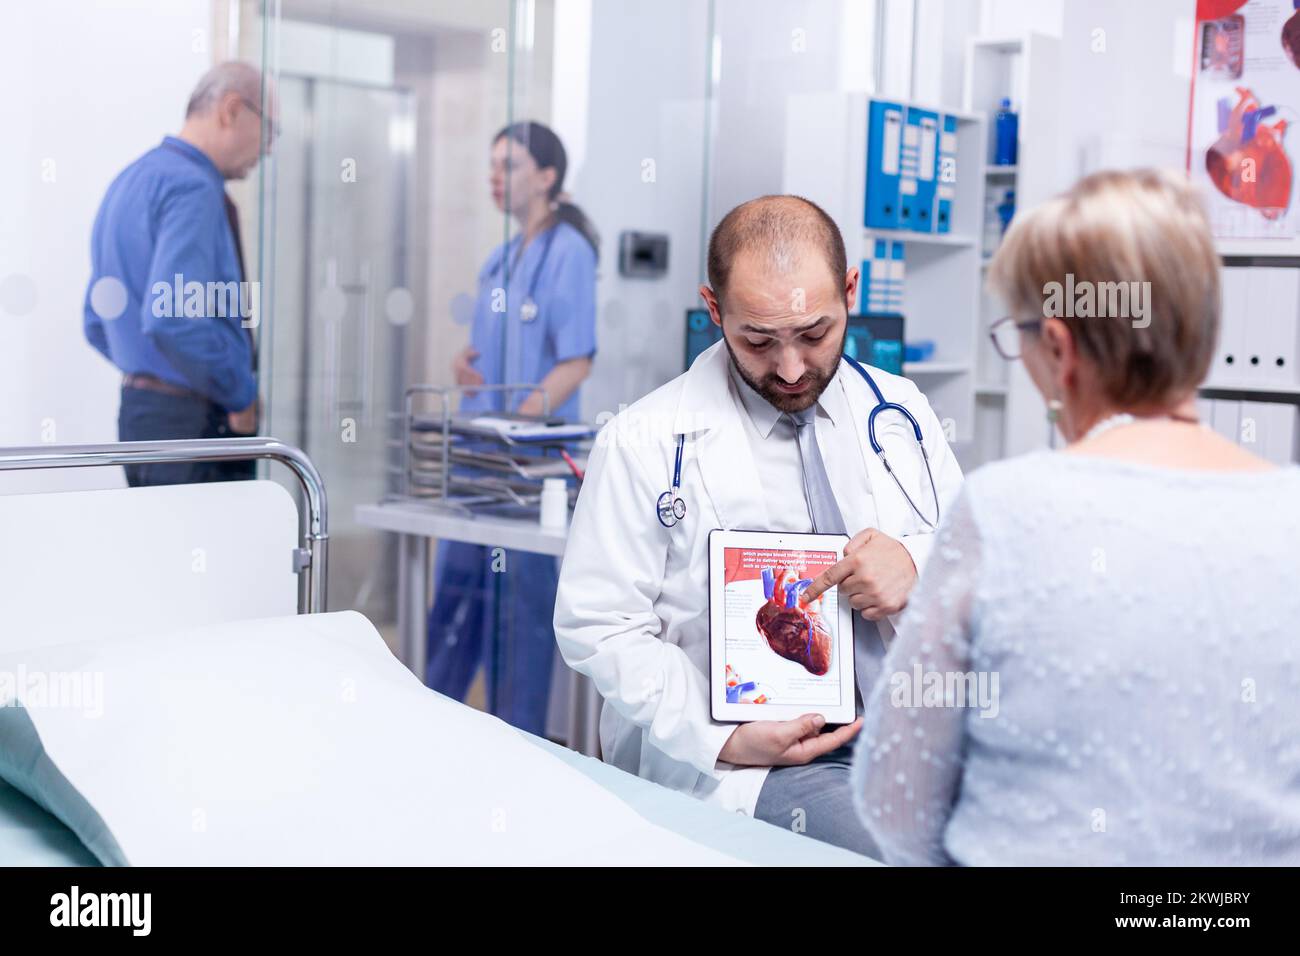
(817, 380)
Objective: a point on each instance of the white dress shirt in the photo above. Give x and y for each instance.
(773, 440)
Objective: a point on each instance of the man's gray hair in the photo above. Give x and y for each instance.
(232, 76)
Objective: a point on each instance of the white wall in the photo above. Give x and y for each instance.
(770, 51)
(1130, 82)
(649, 71)
(1012, 18)
(89, 87)
(940, 69)
(640, 167)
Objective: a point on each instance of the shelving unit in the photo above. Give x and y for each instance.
(826, 161)
(1251, 394)
(935, 368)
(1008, 413)
(919, 238)
(1286, 392)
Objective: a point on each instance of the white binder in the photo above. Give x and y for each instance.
(1226, 367)
(1272, 336)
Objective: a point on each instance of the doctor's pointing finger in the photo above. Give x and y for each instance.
(875, 576)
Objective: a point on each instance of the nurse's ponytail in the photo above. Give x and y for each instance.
(566, 211)
(548, 153)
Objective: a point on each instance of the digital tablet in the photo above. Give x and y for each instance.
(770, 656)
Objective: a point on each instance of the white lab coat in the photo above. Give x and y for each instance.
(632, 608)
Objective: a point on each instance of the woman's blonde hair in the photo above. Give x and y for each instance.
(1135, 243)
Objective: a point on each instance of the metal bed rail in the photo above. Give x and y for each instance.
(309, 561)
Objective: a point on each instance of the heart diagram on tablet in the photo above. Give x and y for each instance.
(795, 631)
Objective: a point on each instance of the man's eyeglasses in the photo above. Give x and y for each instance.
(274, 128)
(1005, 334)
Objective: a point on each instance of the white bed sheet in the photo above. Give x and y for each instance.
(29, 836)
(303, 741)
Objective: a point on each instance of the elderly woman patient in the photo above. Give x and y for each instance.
(1101, 662)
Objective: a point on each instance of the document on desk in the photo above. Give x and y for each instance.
(524, 431)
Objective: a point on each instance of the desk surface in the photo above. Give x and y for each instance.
(423, 520)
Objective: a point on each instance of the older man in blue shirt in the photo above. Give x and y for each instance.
(166, 244)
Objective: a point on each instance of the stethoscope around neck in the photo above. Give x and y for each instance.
(671, 507)
(528, 308)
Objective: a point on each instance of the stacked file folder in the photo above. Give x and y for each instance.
(911, 168)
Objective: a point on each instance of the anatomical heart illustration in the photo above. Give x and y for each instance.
(1291, 38)
(795, 631)
(1248, 163)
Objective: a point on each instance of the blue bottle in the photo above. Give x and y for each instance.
(1007, 209)
(1006, 125)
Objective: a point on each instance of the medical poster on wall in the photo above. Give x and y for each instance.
(1245, 99)
(778, 650)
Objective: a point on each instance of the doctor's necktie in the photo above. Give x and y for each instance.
(868, 648)
(825, 512)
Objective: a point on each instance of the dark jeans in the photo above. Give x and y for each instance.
(499, 617)
(152, 416)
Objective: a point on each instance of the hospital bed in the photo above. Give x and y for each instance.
(238, 721)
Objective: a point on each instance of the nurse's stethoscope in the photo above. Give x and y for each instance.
(671, 507)
(528, 309)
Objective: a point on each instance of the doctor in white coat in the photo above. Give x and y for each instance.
(631, 610)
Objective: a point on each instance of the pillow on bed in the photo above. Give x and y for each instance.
(29, 836)
(292, 741)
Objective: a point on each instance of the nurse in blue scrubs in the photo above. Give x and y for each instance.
(534, 321)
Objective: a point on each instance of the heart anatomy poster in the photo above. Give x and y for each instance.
(1245, 105)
